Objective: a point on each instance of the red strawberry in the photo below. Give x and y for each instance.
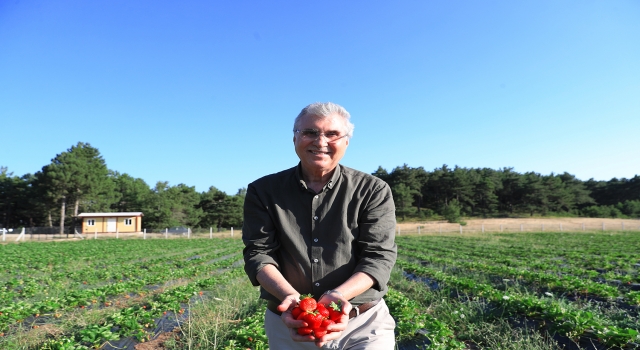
(326, 323)
(296, 312)
(307, 303)
(301, 316)
(305, 330)
(313, 319)
(319, 332)
(323, 310)
(335, 313)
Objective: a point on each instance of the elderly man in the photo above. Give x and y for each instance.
(324, 229)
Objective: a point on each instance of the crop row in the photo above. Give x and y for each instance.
(571, 322)
(545, 266)
(602, 252)
(23, 287)
(100, 260)
(139, 320)
(548, 281)
(151, 272)
(553, 262)
(412, 320)
(79, 260)
(24, 297)
(17, 311)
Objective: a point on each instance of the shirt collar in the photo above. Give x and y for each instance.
(329, 185)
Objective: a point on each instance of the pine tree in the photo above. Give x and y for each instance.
(78, 174)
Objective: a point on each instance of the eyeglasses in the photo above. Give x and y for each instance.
(313, 134)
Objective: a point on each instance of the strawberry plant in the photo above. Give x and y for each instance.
(412, 322)
(95, 335)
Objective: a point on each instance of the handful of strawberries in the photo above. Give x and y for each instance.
(317, 316)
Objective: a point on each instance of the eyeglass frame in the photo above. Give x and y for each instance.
(318, 133)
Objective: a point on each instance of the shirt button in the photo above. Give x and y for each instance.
(316, 197)
(315, 218)
(315, 260)
(315, 239)
(317, 284)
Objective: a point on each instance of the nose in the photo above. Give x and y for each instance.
(321, 140)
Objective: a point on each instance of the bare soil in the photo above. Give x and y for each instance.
(158, 342)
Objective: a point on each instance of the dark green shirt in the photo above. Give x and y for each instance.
(318, 241)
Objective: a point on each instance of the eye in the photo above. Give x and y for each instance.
(310, 133)
(332, 134)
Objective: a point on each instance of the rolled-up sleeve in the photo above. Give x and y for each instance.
(258, 235)
(377, 247)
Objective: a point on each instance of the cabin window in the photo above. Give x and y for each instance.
(128, 222)
(91, 222)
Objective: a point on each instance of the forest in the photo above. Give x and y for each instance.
(78, 180)
(484, 192)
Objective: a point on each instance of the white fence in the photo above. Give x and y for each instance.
(5, 231)
(37, 234)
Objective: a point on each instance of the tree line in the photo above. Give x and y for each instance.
(483, 192)
(78, 180)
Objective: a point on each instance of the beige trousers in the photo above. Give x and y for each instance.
(373, 330)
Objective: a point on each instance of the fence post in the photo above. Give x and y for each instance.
(232, 232)
(210, 232)
(460, 229)
(95, 234)
(144, 234)
(418, 229)
(500, 227)
(603, 226)
(117, 232)
(166, 233)
(4, 232)
(583, 226)
(188, 232)
(482, 228)
(520, 227)
(542, 227)
(21, 235)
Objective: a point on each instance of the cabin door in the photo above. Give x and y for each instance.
(111, 225)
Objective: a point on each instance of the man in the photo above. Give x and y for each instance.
(323, 229)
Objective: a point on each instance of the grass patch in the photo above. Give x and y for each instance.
(214, 320)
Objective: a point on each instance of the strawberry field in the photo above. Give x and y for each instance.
(448, 291)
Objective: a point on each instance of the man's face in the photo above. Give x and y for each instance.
(320, 156)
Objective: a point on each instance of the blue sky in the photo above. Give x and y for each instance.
(205, 92)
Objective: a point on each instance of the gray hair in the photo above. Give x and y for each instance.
(323, 110)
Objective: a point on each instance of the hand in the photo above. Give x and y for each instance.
(337, 328)
(285, 307)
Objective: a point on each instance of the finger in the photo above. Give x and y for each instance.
(287, 304)
(301, 338)
(327, 338)
(339, 326)
(346, 308)
(291, 322)
(295, 324)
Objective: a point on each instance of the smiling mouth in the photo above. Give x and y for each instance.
(318, 152)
